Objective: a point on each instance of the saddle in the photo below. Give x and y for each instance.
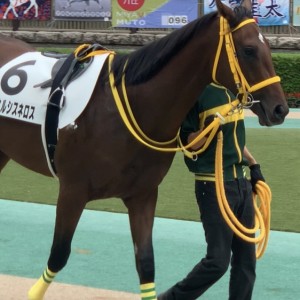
(78, 69)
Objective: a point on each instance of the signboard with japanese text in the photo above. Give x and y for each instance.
(267, 12)
(25, 9)
(83, 9)
(154, 13)
(296, 13)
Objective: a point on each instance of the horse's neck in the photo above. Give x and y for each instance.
(172, 92)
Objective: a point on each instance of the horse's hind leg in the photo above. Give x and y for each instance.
(71, 203)
(141, 214)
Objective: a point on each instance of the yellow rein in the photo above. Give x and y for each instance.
(262, 212)
(124, 117)
(242, 85)
(127, 122)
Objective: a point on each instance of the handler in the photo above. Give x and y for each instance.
(223, 246)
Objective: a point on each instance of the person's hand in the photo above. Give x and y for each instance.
(256, 175)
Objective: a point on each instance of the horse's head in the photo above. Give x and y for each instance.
(251, 54)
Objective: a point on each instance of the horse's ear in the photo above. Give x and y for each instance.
(247, 4)
(225, 11)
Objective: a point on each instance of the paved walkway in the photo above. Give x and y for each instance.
(102, 255)
(16, 288)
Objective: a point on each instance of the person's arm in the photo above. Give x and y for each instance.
(200, 143)
(190, 127)
(193, 135)
(250, 158)
(255, 172)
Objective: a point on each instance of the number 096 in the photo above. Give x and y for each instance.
(174, 20)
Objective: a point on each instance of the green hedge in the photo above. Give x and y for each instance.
(287, 66)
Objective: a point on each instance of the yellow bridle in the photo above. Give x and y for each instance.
(241, 82)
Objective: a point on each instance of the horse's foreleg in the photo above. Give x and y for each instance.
(68, 213)
(5, 14)
(141, 214)
(29, 8)
(7, 11)
(36, 7)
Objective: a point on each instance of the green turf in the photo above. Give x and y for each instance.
(277, 150)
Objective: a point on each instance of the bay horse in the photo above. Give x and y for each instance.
(102, 158)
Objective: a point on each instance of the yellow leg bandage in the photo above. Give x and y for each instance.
(39, 289)
(148, 291)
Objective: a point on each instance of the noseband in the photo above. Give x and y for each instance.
(241, 82)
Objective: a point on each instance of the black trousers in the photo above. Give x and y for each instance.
(223, 246)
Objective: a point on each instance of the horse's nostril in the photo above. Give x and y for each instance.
(279, 112)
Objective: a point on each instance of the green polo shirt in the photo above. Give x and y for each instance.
(216, 98)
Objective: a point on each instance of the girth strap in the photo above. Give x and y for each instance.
(55, 104)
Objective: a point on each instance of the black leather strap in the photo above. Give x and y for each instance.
(55, 104)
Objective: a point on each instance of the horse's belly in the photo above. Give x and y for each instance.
(22, 142)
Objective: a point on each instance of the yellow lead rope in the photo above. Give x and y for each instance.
(262, 210)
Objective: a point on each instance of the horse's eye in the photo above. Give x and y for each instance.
(249, 51)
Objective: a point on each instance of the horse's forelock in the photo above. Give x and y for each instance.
(240, 14)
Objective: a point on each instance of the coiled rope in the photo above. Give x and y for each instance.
(259, 234)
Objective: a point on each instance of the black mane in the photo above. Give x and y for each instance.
(147, 61)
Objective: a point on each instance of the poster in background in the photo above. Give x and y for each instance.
(267, 12)
(25, 9)
(83, 9)
(154, 13)
(296, 13)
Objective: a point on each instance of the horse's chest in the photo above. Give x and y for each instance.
(129, 176)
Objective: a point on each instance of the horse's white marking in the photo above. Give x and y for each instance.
(261, 38)
(15, 3)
